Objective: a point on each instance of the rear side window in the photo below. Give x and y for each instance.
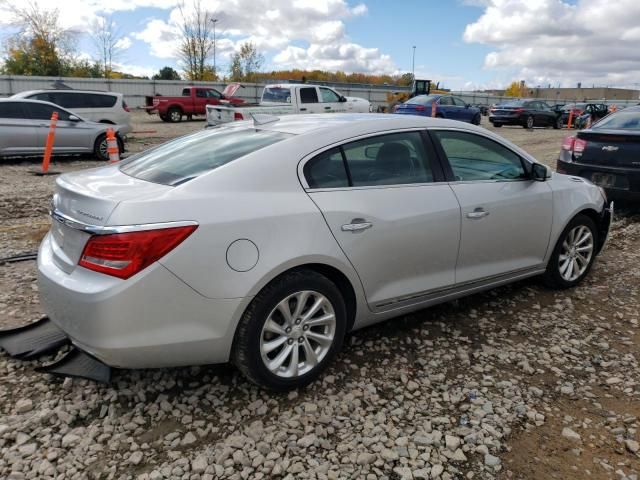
(392, 159)
(446, 101)
(308, 95)
(327, 170)
(475, 158)
(186, 92)
(201, 93)
(193, 155)
(11, 110)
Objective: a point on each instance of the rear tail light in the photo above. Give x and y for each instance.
(125, 107)
(238, 116)
(420, 108)
(123, 255)
(567, 143)
(394, 109)
(579, 145)
(492, 109)
(518, 110)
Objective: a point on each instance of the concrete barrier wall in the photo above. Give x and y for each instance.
(136, 90)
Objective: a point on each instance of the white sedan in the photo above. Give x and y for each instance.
(263, 243)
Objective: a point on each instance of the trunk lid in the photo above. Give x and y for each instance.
(230, 90)
(614, 148)
(90, 197)
(412, 108)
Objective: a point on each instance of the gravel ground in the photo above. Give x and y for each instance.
(516, 383)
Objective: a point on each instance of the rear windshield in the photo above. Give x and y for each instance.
(420, 100)
(620, 121)
(190, 156)
(516, 103)
(276, 95)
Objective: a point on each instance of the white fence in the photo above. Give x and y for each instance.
(135, 91)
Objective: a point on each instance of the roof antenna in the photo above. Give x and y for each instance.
(263, 118)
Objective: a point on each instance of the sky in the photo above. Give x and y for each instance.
(463, 44)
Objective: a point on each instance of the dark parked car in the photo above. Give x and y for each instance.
(595, 110)
(608, 154)
(526, 113)
(447, 106)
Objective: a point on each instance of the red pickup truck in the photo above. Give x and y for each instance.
(192, 102)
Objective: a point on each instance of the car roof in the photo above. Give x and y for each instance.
(62, 90)
(316, 123)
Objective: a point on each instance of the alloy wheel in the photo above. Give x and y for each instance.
(175, 116)
(298, 334)
(104, 149)
(529, 122)
(576, 253)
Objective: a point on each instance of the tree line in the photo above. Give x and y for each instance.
(40, 46)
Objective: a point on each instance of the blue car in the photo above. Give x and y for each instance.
(447, 106)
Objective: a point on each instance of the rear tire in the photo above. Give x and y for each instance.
(529, 122)
(264, 325)
(497, 125)
(174, 115)
(576, 249)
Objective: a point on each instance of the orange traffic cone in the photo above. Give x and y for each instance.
(48, 148)
(112, 146)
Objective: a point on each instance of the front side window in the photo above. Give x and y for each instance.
(329, 96)
(188, 157)
(458, 102)
(308, 95)
(41, 111)
(475, 158)
(11, 110)
(213, 93)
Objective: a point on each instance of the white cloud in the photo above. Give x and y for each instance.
(123, 43)
(554, 41)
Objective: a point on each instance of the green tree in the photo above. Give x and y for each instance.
(197, 42)
(166, 73)
(515, 89)
(41, 46)
(246, 63)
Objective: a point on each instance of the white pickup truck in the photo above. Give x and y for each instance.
(286, 99)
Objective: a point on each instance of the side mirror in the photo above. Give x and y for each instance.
(468, 105)
(539, 172)
(342, 99)
(73, 118)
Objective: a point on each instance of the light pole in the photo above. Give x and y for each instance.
(413, 64)
(214, 21)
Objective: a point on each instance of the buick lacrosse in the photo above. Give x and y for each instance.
(264, 242)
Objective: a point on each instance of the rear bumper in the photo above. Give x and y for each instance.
(150, 320)
(506, 120)
(629, 190)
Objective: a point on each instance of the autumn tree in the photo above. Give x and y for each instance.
(107, 43)
(246, 63)
(41, 45)
(166, 73)
(516, 89)
(197, 41)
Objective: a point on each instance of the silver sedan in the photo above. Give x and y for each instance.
(263, 243)
(25, 125)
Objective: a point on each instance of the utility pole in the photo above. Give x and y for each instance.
(214, 21)
(413, 64)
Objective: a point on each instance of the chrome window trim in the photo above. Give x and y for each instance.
(113, 229)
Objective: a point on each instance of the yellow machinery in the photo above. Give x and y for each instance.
(419, 87)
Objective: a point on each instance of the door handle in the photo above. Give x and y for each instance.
(357, 225)
(303, 109)
(477, 213)
(327, 108)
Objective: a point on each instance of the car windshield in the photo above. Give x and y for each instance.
(421, 100)
(276, 95)
(620, 121)
(190, 156)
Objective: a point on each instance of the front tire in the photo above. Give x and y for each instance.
(291, 331)
(476, 119)
(558, 124)
(573, 255)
